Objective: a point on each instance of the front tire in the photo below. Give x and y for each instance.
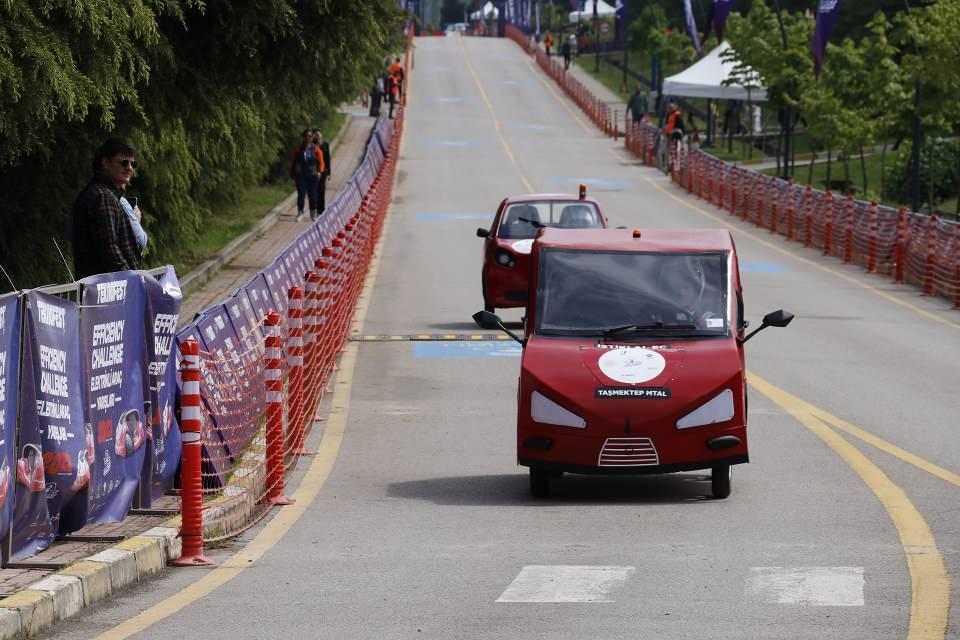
(539, 483)
(720, 478)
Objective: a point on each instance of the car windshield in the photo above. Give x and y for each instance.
(624, 294)
(522, 220)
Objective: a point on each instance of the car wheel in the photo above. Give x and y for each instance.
(720, 481)
(539, 483)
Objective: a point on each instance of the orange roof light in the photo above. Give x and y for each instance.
(636, 233)
(583, 191)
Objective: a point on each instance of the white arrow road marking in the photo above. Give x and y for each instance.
(807, 586)
(565, 583)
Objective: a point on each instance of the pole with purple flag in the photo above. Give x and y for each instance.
(826, 16)
(717, 18)
(692, 27)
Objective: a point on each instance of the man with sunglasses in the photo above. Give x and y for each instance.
(102, 234)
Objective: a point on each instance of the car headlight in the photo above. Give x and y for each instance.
(546, 411)
(718, 409)
(505, 258)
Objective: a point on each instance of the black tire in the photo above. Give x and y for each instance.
(720, 481)
(539, 483)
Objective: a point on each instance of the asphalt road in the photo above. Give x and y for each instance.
(424, 527)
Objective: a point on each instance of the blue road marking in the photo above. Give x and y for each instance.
(533, 127)
(761, 267)
(448, 99)
(466, 215)
(451, 143)
(592, 182)
(466, 350)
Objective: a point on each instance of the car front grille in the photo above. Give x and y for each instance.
(628, 452)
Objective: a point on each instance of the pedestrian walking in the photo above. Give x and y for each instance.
(306, 165)
(396, 72)
(101, 233)
(638, 105)
(322, 179)
(376, 95)
(548, 42)
(675, 126)
(390, 90)
(567, 50)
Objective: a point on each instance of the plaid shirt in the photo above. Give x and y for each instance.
(103, 238)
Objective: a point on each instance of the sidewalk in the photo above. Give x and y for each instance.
(98, 565)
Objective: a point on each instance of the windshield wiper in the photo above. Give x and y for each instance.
(648, 326)
(534, 223)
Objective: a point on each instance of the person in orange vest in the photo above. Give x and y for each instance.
(675, 126)
(390, 90)
(548, 42)
(306, 165)
(396, 70)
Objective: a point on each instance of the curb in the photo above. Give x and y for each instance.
(64, 593)
(205, 271)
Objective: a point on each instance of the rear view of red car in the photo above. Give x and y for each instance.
(507, 243)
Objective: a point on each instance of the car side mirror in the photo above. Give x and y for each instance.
(490, 319)
(779, 318)
(483, 233)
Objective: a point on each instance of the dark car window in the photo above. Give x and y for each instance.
(522, 220)
(583, 292)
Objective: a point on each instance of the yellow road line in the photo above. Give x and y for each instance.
(496, 122)
(930, 583)
(306, 492)
(813, 263)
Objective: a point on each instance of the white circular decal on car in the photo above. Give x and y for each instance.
(632, 366)
(523, 246)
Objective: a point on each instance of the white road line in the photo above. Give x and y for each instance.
(565, 583)
(807, 586)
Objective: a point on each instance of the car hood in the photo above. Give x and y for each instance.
(606, 382)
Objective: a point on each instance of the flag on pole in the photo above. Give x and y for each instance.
(717, 18)
(692, 27)
(826, 16)
(619, 20)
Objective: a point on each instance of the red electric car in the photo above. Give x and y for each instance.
(506, 248)
(633, 355)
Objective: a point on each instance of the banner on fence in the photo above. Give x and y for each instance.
(52, 464)
(112, 339)
(162, 455)
(9, 391)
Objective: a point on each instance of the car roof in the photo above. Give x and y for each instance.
(537, 197)
(658, 240)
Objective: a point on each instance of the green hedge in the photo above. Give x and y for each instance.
(212, 93)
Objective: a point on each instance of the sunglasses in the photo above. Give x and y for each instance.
(128, 163)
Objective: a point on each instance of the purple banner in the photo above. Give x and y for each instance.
(619, 20)
(163, 298)
(9, 391)
(826, 16)
(113, 340)
(52, 449)
(692, 27)
(717, 19)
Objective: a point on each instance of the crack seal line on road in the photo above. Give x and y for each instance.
(305, 494)
(432, 337)
(496, 122)
(930, 582)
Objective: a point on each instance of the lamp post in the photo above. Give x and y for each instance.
(787, 117)
(917, 134)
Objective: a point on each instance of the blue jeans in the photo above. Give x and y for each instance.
(306, 188)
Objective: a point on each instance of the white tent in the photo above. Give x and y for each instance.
(486, 11)
(603, 9)
(704, 79)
